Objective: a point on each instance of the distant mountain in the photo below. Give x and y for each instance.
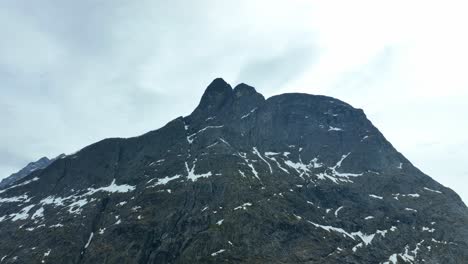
(31, 167)
(294, 178)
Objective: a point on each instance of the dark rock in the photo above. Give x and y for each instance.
(295, 178)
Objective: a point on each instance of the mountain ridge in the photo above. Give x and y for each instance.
(292, 178)
(29, 168)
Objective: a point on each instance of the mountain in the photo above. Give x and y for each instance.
(32, 166)
(294, 178)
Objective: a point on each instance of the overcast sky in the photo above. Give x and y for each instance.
(75, 72)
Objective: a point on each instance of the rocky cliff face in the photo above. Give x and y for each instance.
(295, 178)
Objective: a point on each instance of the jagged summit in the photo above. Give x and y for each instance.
(215, 95)
(294, 178)
(220, 87)
(219, 98)
(31, 167)
(243, 89)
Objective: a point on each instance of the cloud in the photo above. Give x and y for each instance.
(77, 72)
(271, 73)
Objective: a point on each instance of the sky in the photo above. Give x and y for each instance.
(75, 72)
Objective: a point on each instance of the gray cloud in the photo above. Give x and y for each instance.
(13, 160)
(272, 73)
(75, 72)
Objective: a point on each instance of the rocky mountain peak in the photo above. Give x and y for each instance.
(243, 89)
(295, 178)
(215, 95)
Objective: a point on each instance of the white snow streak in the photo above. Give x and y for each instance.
(249, 113)
(330, 128)
(191, 173)
(165, 180)
(375, 196)
(217, 252)
(112, 188)
(256, 152)
(427, 189)
(191, 137)
(38, 214)
(15, 199)
(23, 214)
(337, 210)
(89, 240)
(243, 207)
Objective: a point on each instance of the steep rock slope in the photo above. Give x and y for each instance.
(295, 178)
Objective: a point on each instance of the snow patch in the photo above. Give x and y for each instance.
(330, 128)
(249, 113)
(38, 214)
(427, 189)
(165, 180)
(301, 168)
(89, 240)
(23, 214)
(112, 188)
(276, 161)
(338, 165)
(224, 141)
(15, 199)
(376, 196)
(243, 174)
(427, 229)
(192, 137)
(20, 184)
(336, 176)
(256, 152)
(334, 229)
(411, 210)
(367, 239)
(337, 210)
(243, 207)
(217, 252)
(244, 157)
(407, 256)
(75, 207)
(212, 145)
(191, 175)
